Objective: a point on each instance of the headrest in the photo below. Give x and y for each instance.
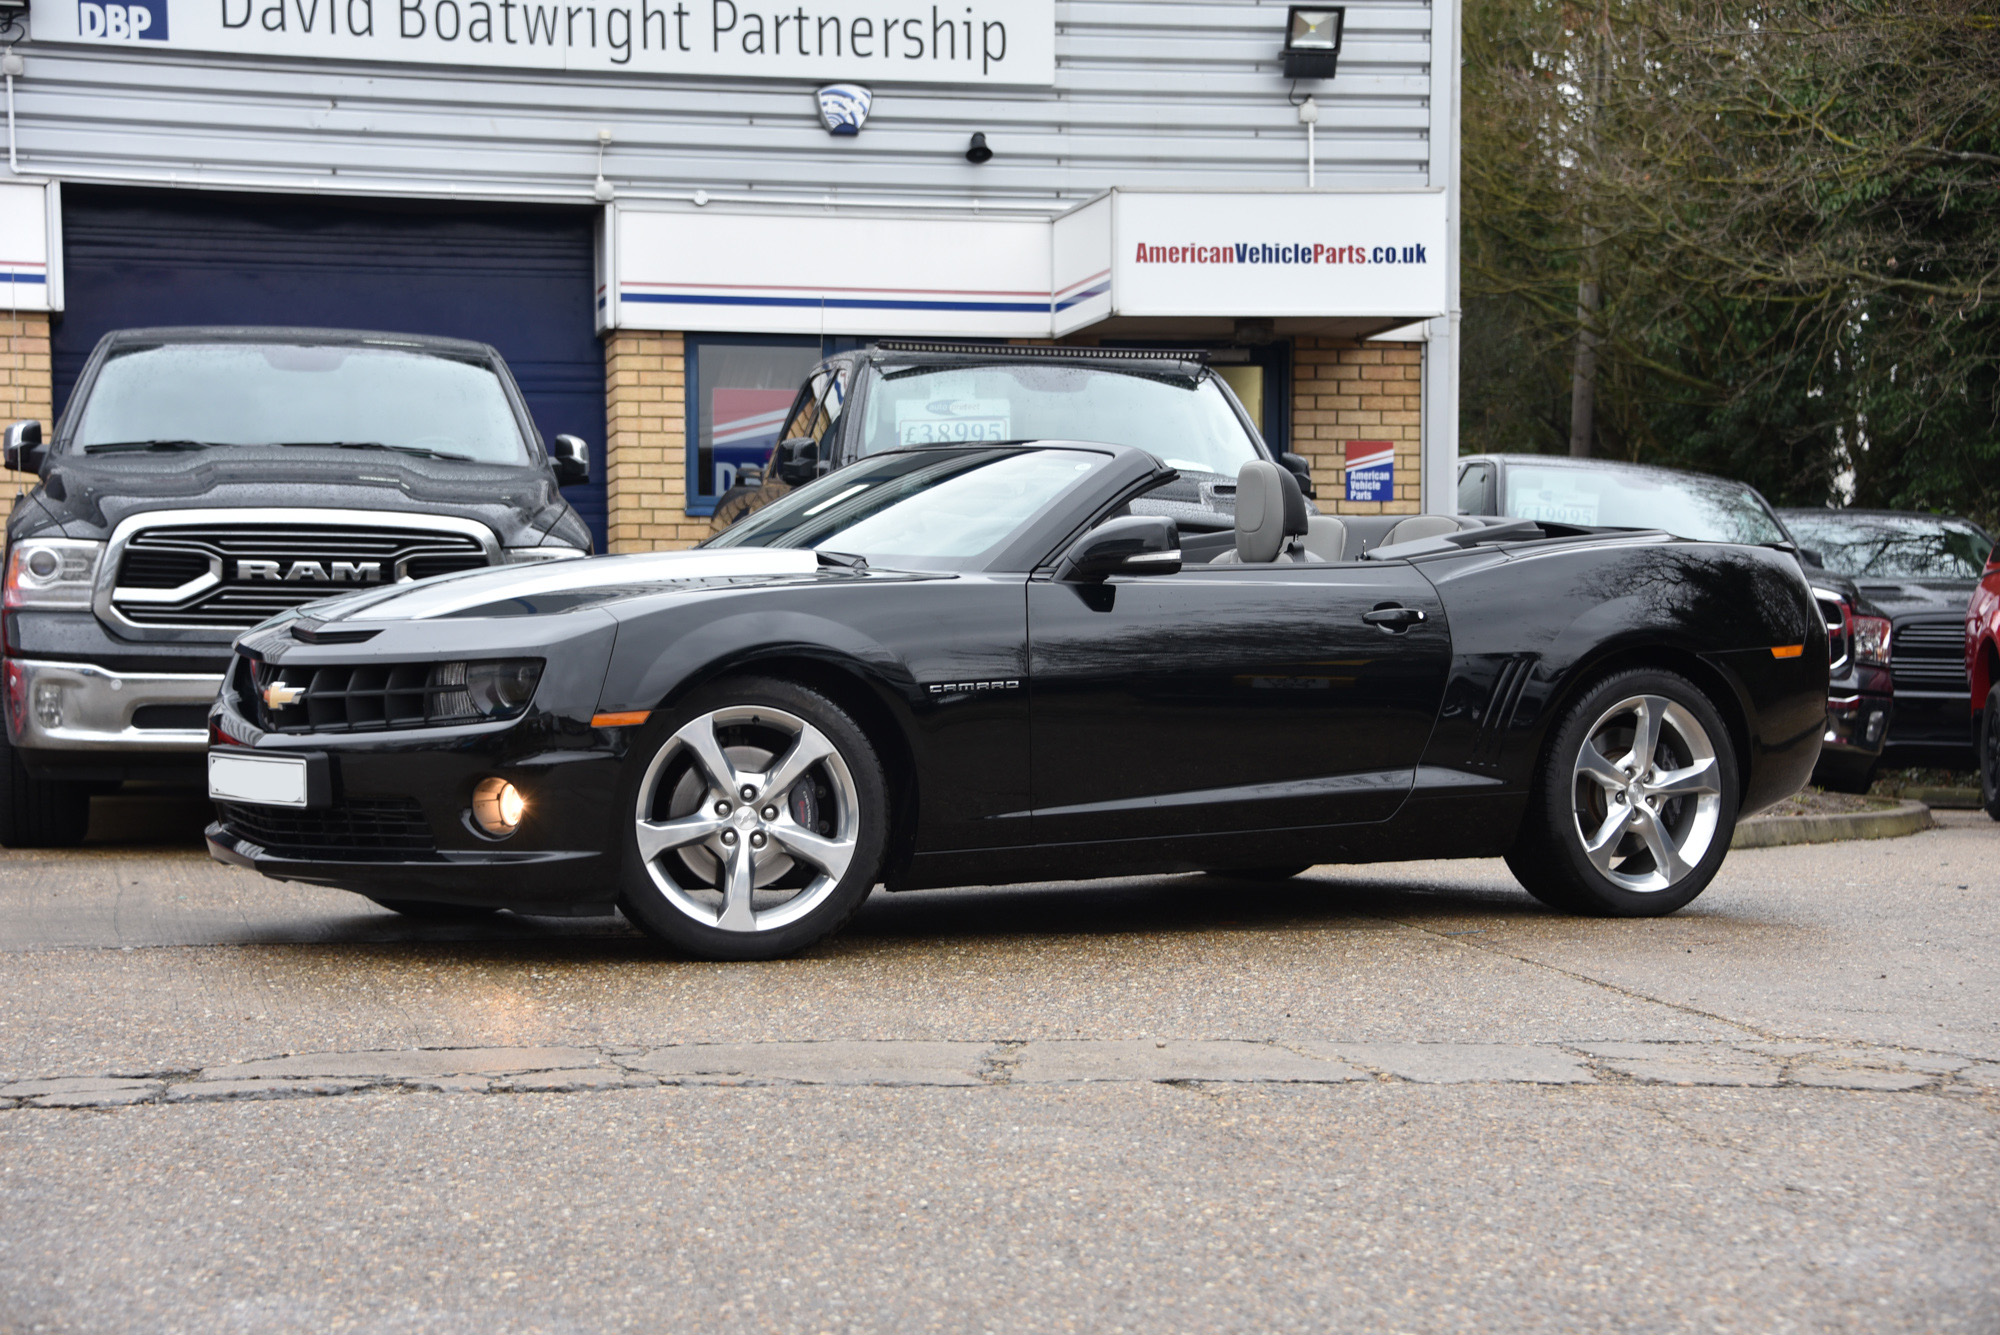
(1269, 509)
(1423, 526)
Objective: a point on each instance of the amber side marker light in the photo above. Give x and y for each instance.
(631, 718)
(1787, 650)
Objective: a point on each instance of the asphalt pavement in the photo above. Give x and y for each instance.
(1388, 1098)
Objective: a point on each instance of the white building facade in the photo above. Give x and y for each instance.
(663, 211)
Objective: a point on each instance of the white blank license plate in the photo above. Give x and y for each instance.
(272, 781)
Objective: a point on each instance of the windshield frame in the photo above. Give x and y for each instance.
(536, 450)
(870, 368)
(1031, 546)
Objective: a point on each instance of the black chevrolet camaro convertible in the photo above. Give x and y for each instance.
(975, 665)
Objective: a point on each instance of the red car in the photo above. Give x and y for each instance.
(1982, 665)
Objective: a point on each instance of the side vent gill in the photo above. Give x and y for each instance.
(1498, 715)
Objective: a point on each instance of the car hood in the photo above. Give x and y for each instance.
(87, 495)
(1912, 597)
(565, 586)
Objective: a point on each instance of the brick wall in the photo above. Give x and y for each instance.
(1343, 390)
(645, 454)
(25, 389)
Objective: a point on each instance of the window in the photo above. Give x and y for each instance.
(740, 392)
(1472, 484)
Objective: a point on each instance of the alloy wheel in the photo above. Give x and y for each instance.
(747, 818)
(1647, 793)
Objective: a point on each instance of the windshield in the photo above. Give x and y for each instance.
(1686, 505)
(276, 393)
(1894, 546)
(925, 510)
(1185, 421)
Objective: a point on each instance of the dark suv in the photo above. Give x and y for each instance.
(202, 480)
(1607, 493)
(892, 394)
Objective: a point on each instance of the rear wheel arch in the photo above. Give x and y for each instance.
(1708, 679)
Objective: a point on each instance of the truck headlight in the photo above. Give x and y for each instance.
(1871, 639)
(52, 572)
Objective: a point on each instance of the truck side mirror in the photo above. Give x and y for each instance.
(1299, 467)
(1812, 558)
(571, 460)
(797, 461)
(1130, 545)
(24, 451)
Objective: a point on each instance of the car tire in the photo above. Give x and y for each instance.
(758, 816)
(1989, 754)
(1610, 838)
(434, 910)
(39, 813)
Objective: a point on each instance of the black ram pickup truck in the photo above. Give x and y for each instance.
(205, 479)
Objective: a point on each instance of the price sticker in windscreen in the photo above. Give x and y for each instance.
(1546, 504)
(953, 421)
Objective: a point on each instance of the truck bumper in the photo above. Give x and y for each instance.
(53, 706)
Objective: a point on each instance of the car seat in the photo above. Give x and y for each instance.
(1271, 518)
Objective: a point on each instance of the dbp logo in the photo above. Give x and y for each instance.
(136, 20)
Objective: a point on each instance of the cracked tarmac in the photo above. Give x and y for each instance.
(1394, 1098)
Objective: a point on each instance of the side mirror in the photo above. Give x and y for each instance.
(1299, 467)
(571, 459)
(1812, 557)
(797, 461)
(1993, 559)
(24, 451)
(1132, 545)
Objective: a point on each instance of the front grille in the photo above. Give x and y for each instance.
(1930, 656)
(371, 697)
(255, 570)
(381, 829)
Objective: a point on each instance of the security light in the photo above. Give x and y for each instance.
(1312, 41)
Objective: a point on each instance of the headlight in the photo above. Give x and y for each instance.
(1871, 639)
(500, 688)
(52, 572)
(527, 555)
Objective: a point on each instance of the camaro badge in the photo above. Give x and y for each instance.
(844, 107)
(277, 695)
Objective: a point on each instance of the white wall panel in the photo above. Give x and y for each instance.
(1147, 93)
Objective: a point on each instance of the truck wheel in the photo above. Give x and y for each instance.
(760, 814)
(1989, 754)
(741, 501)
(1843, 775)
(1634, 802)
(39, 813)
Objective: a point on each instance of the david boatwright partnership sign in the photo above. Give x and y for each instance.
(980, 42)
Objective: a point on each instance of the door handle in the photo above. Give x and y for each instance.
(1394, 618)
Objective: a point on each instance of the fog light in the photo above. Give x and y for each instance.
(49, 703)
(498, 806)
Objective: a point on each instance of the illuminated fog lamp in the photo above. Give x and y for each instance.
(498, 806)
(1312, 41)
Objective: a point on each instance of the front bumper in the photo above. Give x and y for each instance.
(558, 882)
(53, 706)
(1857, 722)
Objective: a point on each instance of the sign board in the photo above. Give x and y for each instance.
(1371, 470)
(887, 41)
(26, 218)
(814, 274)
(1281, 253)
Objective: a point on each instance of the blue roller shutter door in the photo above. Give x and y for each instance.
(522, 279)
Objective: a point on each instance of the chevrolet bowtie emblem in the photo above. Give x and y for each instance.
(277, 695)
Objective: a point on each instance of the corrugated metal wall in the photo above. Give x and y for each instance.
(1148, 93)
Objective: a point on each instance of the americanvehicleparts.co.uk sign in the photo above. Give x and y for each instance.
(958, 41)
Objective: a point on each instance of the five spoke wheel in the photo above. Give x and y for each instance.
(1633, 801)
(1648, 816)
(758, 824)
